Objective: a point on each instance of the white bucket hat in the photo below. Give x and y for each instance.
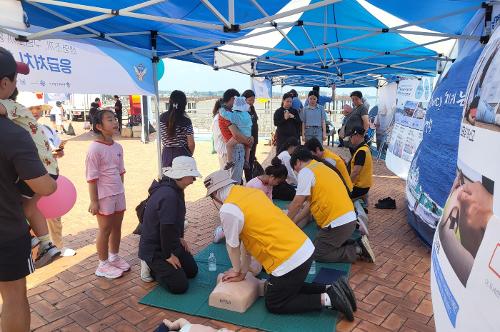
(182, 166)
(240, 104)
(217, 180)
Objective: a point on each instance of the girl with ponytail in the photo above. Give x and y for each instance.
(176, 129)
(274, 175)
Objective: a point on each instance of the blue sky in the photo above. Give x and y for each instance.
(189, 77)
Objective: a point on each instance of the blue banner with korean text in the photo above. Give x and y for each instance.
(87, 66)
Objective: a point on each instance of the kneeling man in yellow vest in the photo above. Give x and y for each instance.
(332, 209)
(361, 164)
(334, 159)
(254, 226)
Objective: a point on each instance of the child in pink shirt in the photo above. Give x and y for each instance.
(273, 176)
(104, 171)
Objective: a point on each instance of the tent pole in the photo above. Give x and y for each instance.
(155, 61)
(252, 24)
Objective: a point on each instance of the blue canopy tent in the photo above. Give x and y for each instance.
(323, 41)
(341, 41)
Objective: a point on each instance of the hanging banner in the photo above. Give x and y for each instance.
(61, 66)
(386, 108)
(465, 271)
(262, 87)
(432, 172)
(412, 101)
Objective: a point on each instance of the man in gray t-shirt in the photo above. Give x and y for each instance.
(359, 115)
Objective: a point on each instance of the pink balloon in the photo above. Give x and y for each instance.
(61, 201)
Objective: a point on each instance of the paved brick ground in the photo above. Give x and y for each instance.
(393, 294)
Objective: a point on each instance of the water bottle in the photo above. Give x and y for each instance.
(312, 270)
(212, 262)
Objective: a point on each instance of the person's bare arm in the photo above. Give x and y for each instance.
(355, 172)
(366, 122)
(191, 144)
(236, 273)
(295, 206)
(43, 185)
(94, 201)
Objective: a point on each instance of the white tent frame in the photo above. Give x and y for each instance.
(229, 25)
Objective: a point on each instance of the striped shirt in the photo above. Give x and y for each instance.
(183, 129)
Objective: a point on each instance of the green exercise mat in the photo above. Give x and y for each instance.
(195, 300)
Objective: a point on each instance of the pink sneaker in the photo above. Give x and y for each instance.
(120, 263)
(108, 271)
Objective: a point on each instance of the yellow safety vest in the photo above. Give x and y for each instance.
(364, 179)
(268, 234)
(329, 199)
(341, 166)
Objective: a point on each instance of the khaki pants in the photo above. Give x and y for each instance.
(55, 231)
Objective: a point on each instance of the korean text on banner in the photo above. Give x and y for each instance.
(61, 66)
(465, 273)
(412, 101)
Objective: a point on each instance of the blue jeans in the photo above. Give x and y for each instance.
(239, 159)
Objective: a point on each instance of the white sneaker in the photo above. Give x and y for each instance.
(67, 252)
(146, 272)
(218, 234)
(108, 271)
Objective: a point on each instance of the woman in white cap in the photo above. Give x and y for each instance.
(255, 227)
(162, 246)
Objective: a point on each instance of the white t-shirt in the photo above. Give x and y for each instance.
(219, 144)
(284, 156)
(57, 111)
(307, 180)
(233, 220)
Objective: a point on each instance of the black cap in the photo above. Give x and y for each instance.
(9, 66)
(357, 130)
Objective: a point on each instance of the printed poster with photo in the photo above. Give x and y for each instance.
(465, 273)
(432, 172)
(412, 102)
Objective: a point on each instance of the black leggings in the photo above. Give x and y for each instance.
(174, 280)
(249, 171)
(289, 293)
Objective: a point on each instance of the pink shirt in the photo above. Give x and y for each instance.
(104, 165)
(258, 184)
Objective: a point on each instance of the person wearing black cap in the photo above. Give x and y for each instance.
(18, 160)
(361, 164)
